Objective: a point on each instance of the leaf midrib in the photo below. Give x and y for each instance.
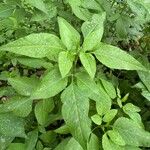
(117, 58)
(74, 97)
(32, 46)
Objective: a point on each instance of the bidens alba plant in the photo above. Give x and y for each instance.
(113, 124)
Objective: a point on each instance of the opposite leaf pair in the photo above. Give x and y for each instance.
(110, 56)
(67, 50)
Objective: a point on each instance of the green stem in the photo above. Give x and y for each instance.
(74, 67)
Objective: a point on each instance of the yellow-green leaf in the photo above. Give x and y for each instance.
(69, 36)
(89, 63)
(65, 61)
(115, 58)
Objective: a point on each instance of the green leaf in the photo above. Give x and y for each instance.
(146, 94)
(69, 36)
(31, 140)
(39, 145)
(135, 117)
(20, 106)
(87, 85)
(50, 85)
(39, 4)
(62, 130)
(115, 137)
(39, 16)
(121, 27)
(5, 141)
(23, 85)
(125, 98)
(93, 143)
(140, 85)
(75, 113)
(93, 31)
(96, 119)
(132, 133)
(109, 88)
(6, 91)
(35, 45)
(73, 145)
(92, 5)
(6, 10)
(90, 88)
(62, 145)
(138, 8)
(34, 62)
(94, 91)
(16, 146)
(104, 103)
(53, 118)
(132, 111)
(81, 13)
(11, 125)
(109, 116)
(131, 107)
(65, 61)
(48, 137)
(108, 144)
(145, 78)
(42, 110)
(89, 63)
(115, 58)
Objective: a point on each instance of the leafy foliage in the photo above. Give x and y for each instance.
(74, 75)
